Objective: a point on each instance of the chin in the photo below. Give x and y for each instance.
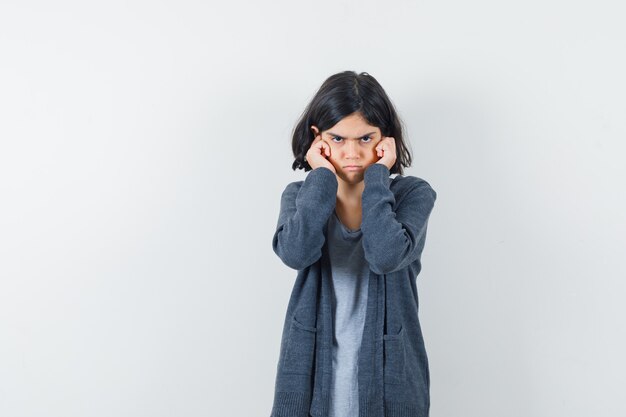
(352, 177)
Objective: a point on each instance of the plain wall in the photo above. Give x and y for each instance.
(144, 146)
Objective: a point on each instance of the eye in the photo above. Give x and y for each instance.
(366, 139)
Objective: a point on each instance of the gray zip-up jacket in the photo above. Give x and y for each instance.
(393, 374)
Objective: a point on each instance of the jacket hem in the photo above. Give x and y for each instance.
(398, 409)
(291, 404)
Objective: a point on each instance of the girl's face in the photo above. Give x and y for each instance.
(352, 142)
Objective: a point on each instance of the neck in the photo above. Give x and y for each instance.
(349, 194)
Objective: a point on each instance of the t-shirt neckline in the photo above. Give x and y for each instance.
(344, 226)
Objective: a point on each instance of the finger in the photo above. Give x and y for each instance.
(326, 148)
(321, 147)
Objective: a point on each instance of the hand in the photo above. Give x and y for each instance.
(386, 149)
(318, 153)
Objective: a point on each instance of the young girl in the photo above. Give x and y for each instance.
(352, 344)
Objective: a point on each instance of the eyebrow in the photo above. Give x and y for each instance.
(339, 136)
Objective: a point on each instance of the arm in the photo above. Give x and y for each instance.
(393, 240)
(304, 211)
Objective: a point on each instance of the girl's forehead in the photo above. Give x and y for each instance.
(356, 135)
(353, 126)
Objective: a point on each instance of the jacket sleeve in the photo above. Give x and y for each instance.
(304, 211)
(393, 240)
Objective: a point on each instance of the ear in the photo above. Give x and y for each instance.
(315, 130)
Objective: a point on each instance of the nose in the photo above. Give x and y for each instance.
(352, 150)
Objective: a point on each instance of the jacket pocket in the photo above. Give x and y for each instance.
(394, 368)
(300, 350)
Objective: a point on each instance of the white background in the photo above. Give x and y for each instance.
(145, 145)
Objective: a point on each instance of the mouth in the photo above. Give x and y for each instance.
(353, 167)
